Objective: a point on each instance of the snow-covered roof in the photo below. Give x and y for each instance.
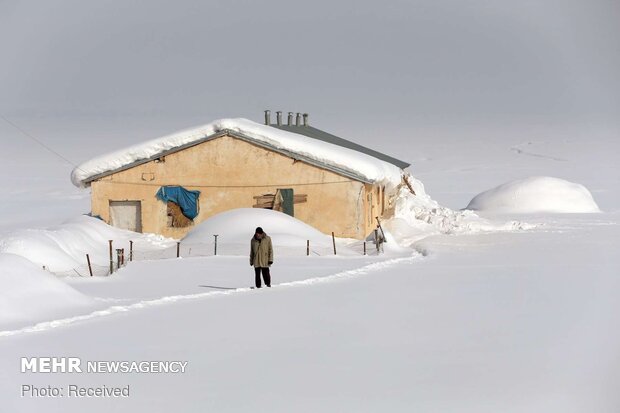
(315, 133)
(342, 160)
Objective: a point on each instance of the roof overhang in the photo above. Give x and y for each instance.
(238, 135)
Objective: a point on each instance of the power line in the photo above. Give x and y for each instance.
(23, 132)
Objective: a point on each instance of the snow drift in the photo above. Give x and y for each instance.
(419, 216)
(236, 227)
(414, 217)
(27, 292)
(371, 168)
(534, 195)
(62, 249)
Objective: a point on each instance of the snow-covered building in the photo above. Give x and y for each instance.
(168, 184)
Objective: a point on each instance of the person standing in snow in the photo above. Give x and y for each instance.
(261, 256)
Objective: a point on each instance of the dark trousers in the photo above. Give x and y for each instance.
(266, 276)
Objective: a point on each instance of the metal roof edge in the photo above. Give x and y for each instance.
(321, 135)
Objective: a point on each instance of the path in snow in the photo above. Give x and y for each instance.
(48, 325)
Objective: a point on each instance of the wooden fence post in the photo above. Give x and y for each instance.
(215, 244)
(307, 247)
(334, 242)
(111, 258)
(377, 239)
(178, 249)
(364, 247)
(130, 250)
(118, 258)
(90, 270)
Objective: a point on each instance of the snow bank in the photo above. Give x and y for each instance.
(419, 216)
(27, 292)
(414, 217)
(371, 168)
(236, 227)
(62, 249)
(534, 195)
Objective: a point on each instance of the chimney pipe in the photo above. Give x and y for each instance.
(279, 118)
(290, 119)
(267, 117)
(305, 115)
(298, 119)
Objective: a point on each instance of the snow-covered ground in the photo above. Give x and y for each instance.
(495, 322)
(62, 249)
(497, 312)
(29, 293)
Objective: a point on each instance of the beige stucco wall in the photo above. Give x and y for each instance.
(229, 172)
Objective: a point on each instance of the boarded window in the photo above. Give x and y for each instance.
(283, 200)
(126, 215)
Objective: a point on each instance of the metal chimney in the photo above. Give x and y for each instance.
(298, 119)
(305, 115)
(279, 118)
(267, 117)
(290, 119)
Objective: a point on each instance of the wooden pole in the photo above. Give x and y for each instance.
(408, 184)
(383, 239)
(123, 257)
(307, 247)
(178, 249)
(130, 250)
(364, 247)
(377, 239)
(111, 258)
(334, 242)
(118, 258)
(90, 270)
(215, 245)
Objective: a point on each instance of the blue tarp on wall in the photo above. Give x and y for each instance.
(187, 200)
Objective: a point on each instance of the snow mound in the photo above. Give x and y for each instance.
(28, 293)
(62, 249)
(371, 168)
(236, 227)
(534, 195)
(419, 216)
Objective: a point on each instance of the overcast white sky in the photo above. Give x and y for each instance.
(147, 67)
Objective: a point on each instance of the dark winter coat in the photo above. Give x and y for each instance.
(261, 252)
